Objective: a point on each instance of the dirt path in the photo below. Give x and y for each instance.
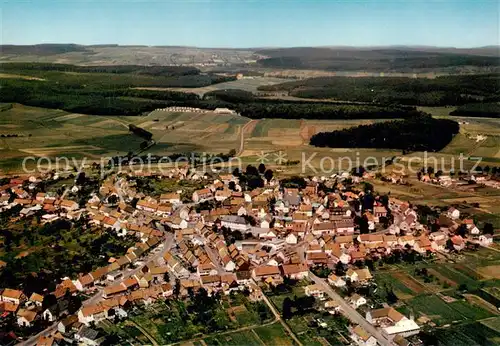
(278, 317)
(243, 129)
(146, 334)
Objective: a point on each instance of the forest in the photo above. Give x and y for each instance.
(487, 110)
(114, 94)
(403, 59)
(418, 133)
(441, 91)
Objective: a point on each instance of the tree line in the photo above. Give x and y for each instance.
(441, 91)
(418, 133)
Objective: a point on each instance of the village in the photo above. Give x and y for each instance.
(324, 233)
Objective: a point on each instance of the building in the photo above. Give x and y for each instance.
(234, 222)
(315, 291)
(361, 337)
(295, 271)
(392, 322)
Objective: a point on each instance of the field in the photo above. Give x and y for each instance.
(273, 334)
(443, 313)
(250, 84)
(44, 132)
(404, 286)
(467, 334)
(52, 133)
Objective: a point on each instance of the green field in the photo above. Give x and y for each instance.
(273, 334)
(466, 335)
(246, 337)
(443, 313)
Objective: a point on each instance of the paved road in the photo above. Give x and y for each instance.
(97, 297)
(215, 258)
(349, 311)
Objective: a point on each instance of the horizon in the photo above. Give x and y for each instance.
(253, 48)
(244, 25)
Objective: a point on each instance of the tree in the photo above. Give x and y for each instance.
(268, 174)
(166, 277)
(113, 199)
(462, 230)
(287, 308)
(262, 168)
(251, 170)
(74, 304)
(232, 153)
(488, 228)
(48, 301)
(177, 287)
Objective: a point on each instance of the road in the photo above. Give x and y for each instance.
(97, 297)
(349, 311)
(214, 257)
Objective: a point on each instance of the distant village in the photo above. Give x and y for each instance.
(245, 241)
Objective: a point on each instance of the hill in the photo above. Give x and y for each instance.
(377, 59)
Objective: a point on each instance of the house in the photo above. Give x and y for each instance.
(234, 222)
(89, 337)
(392, 322)
(25, 318)
(35, 299)
(356, 300)
(485, 239)
(291, 238)
(361, 337)
(13, 296)
(113, 290)
(172, 198)
(264, 272)
(53, 312)
(458, 242)
(453, 213)
(91, 313)
(202, 195)
(336, 281)
(65, 324)
(315, 291)
(68, 205)
(332, 307)
(295, 271)
(379, 211)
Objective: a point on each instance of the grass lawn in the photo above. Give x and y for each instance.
(457, 277)
(493, 323)
(387, 279)
(435, 308)
(472, 312)
(273, 334)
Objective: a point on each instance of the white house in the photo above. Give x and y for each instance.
(336, 281)
(291, 239)
(392, 322)
(315, 291)
(356, 300)
(91, 313)
(362, 338)
(25, 318)
(234, 222)
(453, 213)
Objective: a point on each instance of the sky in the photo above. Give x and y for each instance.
(246, 23)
